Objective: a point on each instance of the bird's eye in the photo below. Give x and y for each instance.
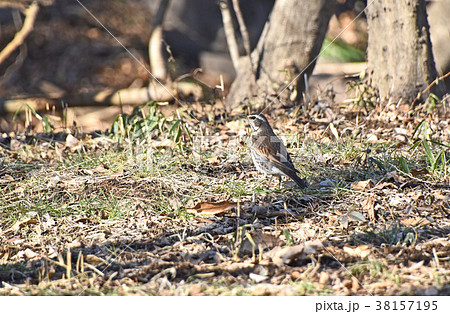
(251, 118)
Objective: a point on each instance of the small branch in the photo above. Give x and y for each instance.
(429, 86)
(157, 63)
(22, 55)
(245, 36)
(229, 33)
(19, 38)
(242, 26)
(12, 4)
(94, 269)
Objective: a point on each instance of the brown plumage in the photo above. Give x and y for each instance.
(269, 154)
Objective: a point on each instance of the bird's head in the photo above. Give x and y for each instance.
(258, 122)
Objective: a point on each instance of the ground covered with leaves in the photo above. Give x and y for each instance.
(172, 205)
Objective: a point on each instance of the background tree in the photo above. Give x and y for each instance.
(400, 56)
(291, 39)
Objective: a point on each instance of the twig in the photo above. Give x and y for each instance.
(23, 52)
(429, 86)
(156, 58)
(60, 264)
(12, 4)
(245, 36)
(229, 33)
(93, 268)
(69, 264)
(19, 38)
(242, 26)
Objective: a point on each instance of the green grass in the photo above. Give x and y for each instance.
(173, 167)
(339, 51)
(374, 269)
(116, 182)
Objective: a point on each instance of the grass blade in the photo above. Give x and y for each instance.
(403, 164)
(429, 153)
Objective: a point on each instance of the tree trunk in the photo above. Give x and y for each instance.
(400, 57)
(155, 51)
(291, 39)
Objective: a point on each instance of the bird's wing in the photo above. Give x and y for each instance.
(275, 151)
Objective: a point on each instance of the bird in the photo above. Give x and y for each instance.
(268, 152)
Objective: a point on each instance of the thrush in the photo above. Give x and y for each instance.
(269, 154)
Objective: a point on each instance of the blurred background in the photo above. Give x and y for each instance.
(69, 52)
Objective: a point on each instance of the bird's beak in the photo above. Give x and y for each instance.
(248, 125)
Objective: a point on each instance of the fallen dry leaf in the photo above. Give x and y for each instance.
(256, 240)
(396, 177)
(166, 143)
(415, 221)
(217, 208)
(415, 172)
(397, 200)
(83, 220)
(5, 179)
(385, 185)
(369, 206)
(284, 256)
(214, 160)
(416, 266)
(71, 141)
(324, 278)
(312, 246)
(235, 125)
(30, 254)
(334, 131)
(4, 257)
(47, 221)
(356, 216)
(258, 278)
(21, 224)
(175, 203)
(361, 251)
(95, 260)
(355, 284)
(74, 244)
(362, 185)
(438, 195)
(372, 138)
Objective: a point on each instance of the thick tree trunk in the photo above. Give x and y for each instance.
(291, 39)
(399, 50)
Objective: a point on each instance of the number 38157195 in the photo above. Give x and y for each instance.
(406, 305)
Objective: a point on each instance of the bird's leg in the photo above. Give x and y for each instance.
(279, 177)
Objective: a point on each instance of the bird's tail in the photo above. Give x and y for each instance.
(300, 182)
